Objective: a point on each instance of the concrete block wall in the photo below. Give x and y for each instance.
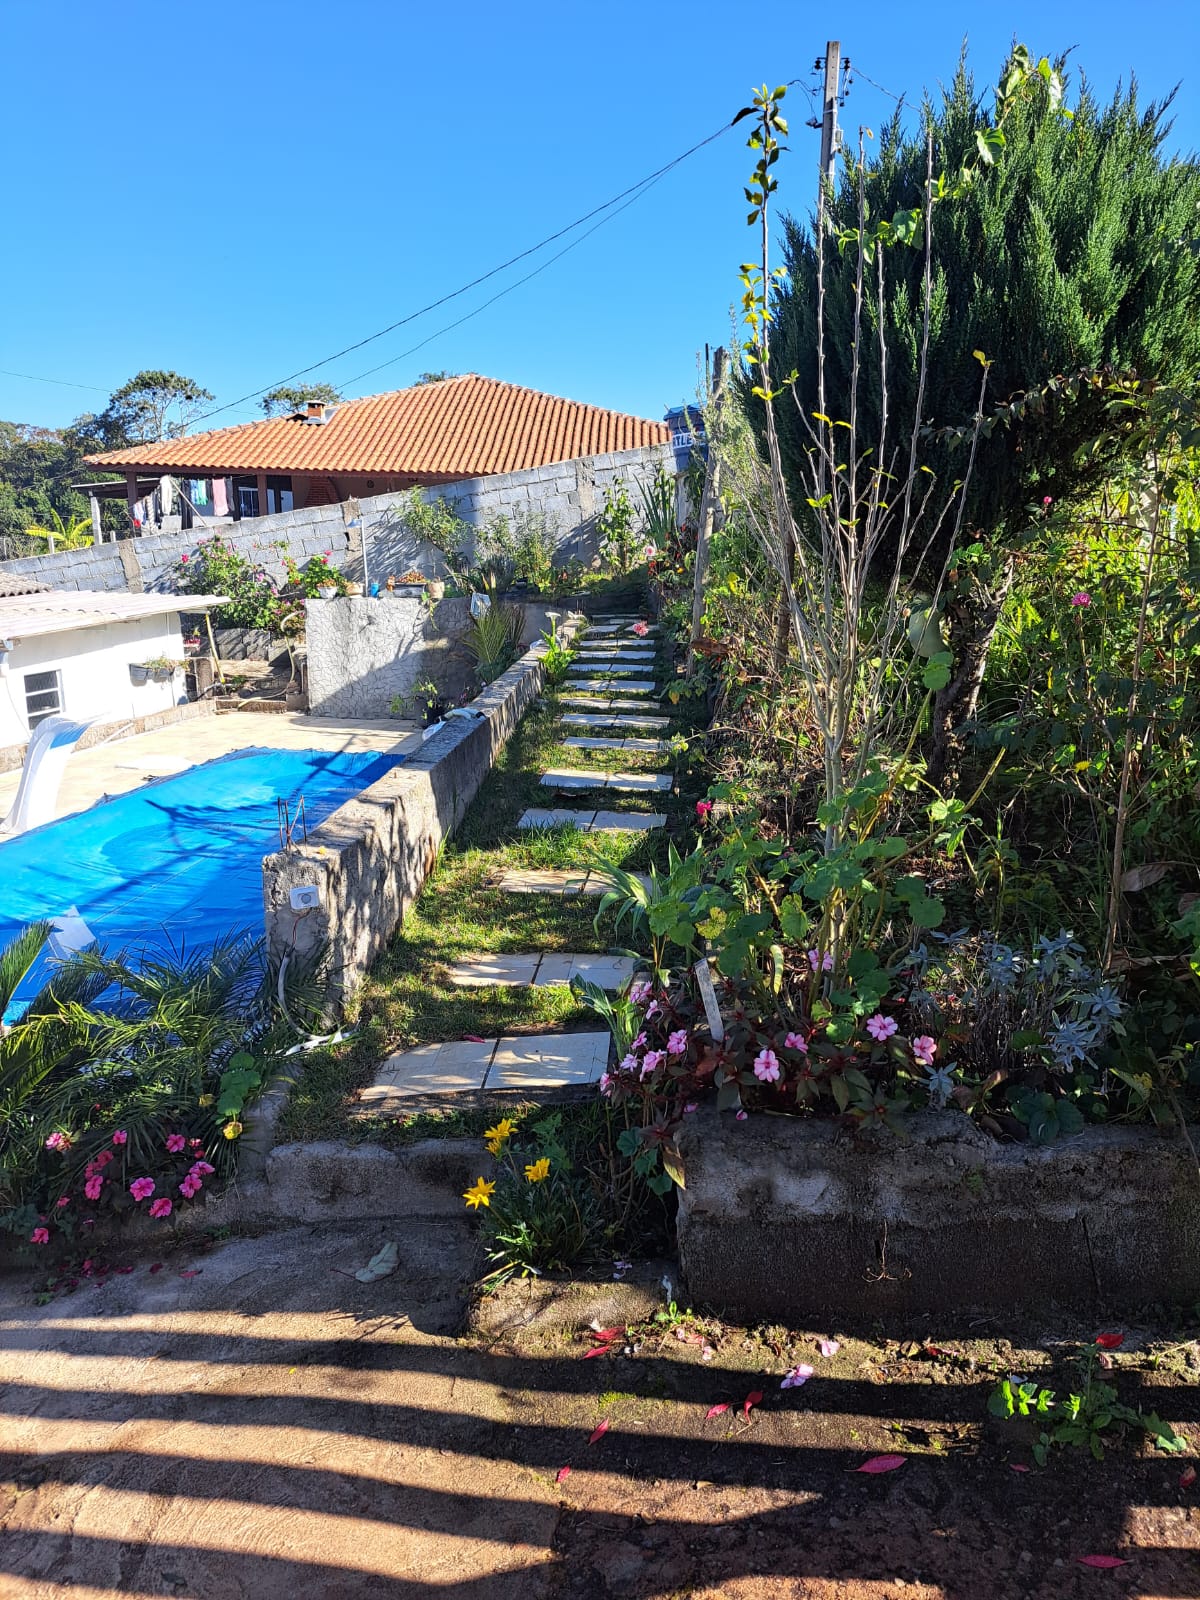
(569, 493)
(369, 860)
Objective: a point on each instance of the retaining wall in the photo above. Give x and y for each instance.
(369, 860)
(363, 652)
(569, 493)
(784, 1219)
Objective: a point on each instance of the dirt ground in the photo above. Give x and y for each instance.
(249, 1421)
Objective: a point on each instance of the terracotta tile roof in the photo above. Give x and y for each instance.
(458, 428)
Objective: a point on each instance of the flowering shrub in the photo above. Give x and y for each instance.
(316, 574)
(218, 568)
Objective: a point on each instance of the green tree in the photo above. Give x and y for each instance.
(434, 377)
(1071, 257)
(153, 405)
(289, 398)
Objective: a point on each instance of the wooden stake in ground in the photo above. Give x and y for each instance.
(709, 501)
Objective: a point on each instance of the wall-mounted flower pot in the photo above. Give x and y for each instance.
(328, 591)
(138, 675)
(161, 674)
(354, 588)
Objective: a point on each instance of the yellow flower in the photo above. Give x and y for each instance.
(231, 1130)
(496, 1136)
(207, 1099)
(494, 1147)
(537, 1170)
(480, 1193)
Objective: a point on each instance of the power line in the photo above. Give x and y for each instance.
(859, 73)
(634, 190)
(61, 382)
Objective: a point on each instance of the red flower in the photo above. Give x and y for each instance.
(1110, 1341)
(704, 809)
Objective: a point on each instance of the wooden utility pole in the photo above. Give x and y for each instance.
(831, 134)
(709, 501)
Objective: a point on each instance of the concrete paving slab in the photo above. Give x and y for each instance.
(627, 821)
(546, 880)
(611, 720)
(548, 1060)
(429, 1069)
(637, 782)
(594, 744)
(569, 778)
(481, 971)
(609, 972)
(555, 817)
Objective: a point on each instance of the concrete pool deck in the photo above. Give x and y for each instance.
(120, 765)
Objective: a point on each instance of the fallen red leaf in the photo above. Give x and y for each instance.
(123, 1270)
(596, 1350)
(157, 1267)
(715, 1411)
(1103, 1561)
(194, 1273)
(751, 1399)
(563, 1472)
(882, 1464)
(475, 1038)
(599, 1431)
(1017, 1466)
(608, 1334)
(1187, 1477)
(1110, 1341)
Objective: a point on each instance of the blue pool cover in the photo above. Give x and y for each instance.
(177, 862)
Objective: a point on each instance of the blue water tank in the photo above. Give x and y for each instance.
(687, 434)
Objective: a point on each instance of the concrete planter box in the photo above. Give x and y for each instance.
(790, 1219)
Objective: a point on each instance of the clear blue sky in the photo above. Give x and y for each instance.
(236, 188)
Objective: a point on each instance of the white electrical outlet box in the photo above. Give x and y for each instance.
(306, 897)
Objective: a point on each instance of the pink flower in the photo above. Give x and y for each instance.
(704, 809)
(797, 1376)
(191, 1184)
(120, 1136)
(641, 629)
(203, 1168)
(40, 1236)
(629, 1063)
(651, 552)
(640, 1042)
(606, 1088)
(93, 1186)
(741, 1115)
(103, 1157)
(175, 1143)
(652, 1062)
(1047, 500)
(142, 1188)
(652, 1010)
(184, 560)
(161, 1207)
(691, 1106)
(1083, 598)
(639, 994)
(766, 1066)
(63, 1200)
(828, 1347)
(58, 1141)
(924, 1049)
(796, 1041)
(881, 1027)
(677, 1042)
(824, 962)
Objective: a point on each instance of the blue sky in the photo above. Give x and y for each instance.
(236, 190)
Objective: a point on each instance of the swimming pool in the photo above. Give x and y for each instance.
(178, 861)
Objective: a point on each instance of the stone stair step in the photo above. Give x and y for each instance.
(632, 782)
(601, 719)
(653, 745)
(592, 821)
(521, 1061)
(543, 970)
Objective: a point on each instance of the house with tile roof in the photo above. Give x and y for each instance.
(435, 433)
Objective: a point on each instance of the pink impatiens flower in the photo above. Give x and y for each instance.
(677, 1042)
(796, 1041)
(766, 1066)
(639, 993)
(704, 809)
(640, 1042)
(924, 1049)
(63, 1200)
(120, 1136)
(93, 1186)
(741, 1116)
(58, 1141)
(881, 1027)
(797, 1376)
(629, 1063)
(40, 1236)
(652, 1010)
(160, 1207)
(191, 1184)
(1083, 598)
(641, 629)
(817, 960)
(653, 1060)
(606, 1088)
(175, 1143)
(203, 1168)
(142, 1188)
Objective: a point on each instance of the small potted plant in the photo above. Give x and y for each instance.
(327, 591)
(436, 589)
(162, 669)
(428, 702)
(138, 673)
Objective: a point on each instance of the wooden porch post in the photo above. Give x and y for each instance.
(262, 494)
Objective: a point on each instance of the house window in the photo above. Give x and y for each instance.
(43, 696)
(247, 494)
(279, 494)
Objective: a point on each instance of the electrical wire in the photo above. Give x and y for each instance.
(857, 72)
(61, 382)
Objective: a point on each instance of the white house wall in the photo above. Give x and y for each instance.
(94, 664)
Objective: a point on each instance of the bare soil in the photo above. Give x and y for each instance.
(250, 1421)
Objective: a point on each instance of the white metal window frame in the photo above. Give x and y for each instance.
(45, 699)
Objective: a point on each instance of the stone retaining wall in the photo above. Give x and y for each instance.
(785, 1219)
(369, 860)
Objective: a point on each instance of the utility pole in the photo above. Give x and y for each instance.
(831, 134)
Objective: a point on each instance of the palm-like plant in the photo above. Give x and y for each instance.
(63, 535)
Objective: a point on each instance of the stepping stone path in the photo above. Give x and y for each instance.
(614, 663)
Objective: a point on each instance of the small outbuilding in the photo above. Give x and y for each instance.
(103, 657)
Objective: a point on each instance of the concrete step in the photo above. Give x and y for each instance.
(525, 1061)
(629, 782)
(546, 969)
(592, 821)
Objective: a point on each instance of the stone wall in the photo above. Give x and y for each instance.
(369, 860)
(363, 652)
(569, 493)
(785, 1219)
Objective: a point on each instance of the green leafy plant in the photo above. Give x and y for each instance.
(492, 640)
(615, 525)
(216, 567)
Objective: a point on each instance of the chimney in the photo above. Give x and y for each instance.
(316, 411)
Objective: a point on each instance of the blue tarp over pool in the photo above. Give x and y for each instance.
(177, 862)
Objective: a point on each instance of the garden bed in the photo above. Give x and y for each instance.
(788, 1217)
